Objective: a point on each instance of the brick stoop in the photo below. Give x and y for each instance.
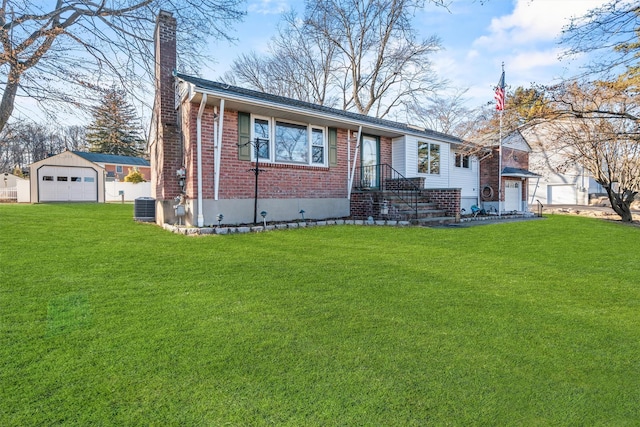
(428, 213)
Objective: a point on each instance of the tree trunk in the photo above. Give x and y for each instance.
(9, 96)
(621, 206)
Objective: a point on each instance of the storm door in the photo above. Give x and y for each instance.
(370, 160)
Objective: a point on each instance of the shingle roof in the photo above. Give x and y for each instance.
(112, 159)
(276, 99)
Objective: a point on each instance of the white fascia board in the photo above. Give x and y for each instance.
(318, 114)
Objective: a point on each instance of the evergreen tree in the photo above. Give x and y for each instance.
(115, 128)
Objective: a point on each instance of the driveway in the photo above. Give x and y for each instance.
(590, 210)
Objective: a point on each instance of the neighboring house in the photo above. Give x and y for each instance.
(505, 175)
(8, 180)
(208, 138)
(118, 167)
(75, 176)
(562, 181)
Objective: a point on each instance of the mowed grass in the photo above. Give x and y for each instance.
(104, 321)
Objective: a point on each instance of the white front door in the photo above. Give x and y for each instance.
(512, 195)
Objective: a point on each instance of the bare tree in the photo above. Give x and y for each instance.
(54, 51)
(445, 114)
(300, 64)
(610, 34)
(356, 55)
(24, 143)
(74, 138)
(597, 127)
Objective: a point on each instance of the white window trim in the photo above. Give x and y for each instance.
(429, 143)
(253, 137)
(272, 141)
(324, 145)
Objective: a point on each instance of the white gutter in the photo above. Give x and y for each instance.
(355, 159)
(218, 147)
(203, 103)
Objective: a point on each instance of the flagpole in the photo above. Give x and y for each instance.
(500, 168)
(500, 107)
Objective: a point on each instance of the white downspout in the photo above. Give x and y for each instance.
(535, 189)
(478, 189)
(215, 151)
(203, 103)
(348, 163)
(355, 159)
(218, 149)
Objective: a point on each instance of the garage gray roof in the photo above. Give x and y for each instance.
(302, 105)
(112, 159)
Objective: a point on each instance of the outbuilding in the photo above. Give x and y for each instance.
(67, 177)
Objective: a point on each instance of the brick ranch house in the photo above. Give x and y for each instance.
(207, 139)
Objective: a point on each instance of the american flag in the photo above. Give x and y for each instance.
(499, 96)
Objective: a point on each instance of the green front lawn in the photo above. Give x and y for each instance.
(104, 321)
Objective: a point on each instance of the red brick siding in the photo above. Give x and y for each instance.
(362, 205)
(166, 152)
(489, 170)
(446, 198)
(276, 180)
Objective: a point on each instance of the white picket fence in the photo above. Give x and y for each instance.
(9, 193)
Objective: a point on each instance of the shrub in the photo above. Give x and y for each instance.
(134, 176)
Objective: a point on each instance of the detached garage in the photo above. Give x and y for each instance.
(66, 177)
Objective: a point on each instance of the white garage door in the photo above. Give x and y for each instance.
(561, 195)
(67, 184)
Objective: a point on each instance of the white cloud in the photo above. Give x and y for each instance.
(526, 61)
(268, 7)
(534, 21)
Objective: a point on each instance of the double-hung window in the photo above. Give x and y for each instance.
(462, 161)
(280, 141)
(428, 158)
(261, 137)
(317, 145)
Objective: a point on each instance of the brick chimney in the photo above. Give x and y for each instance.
(166, 150)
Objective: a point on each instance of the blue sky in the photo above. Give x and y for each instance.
(476, 38)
